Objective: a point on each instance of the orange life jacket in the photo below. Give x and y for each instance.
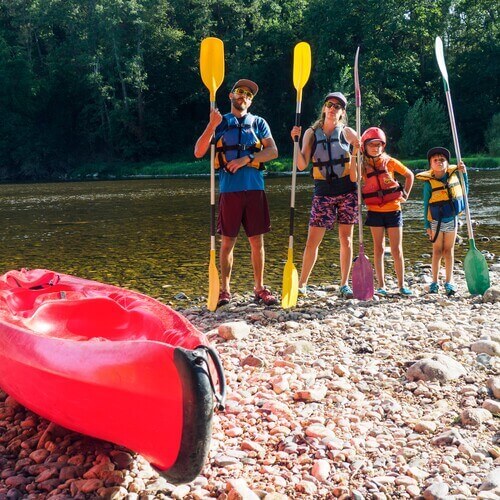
(380, 186)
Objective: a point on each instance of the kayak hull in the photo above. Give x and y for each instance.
(108, 362)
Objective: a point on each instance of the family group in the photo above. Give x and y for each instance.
(244, 143)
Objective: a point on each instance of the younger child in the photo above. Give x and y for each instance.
(383, 196)
(443, 201)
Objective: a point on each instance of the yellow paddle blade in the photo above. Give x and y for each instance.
(301, 67)
(290, 283)
(212, 64)
(213, 283)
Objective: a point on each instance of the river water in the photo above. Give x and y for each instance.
(153, 235)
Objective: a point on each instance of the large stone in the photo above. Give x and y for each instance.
(489, 347)
(436, 491)
(300, 347)
(475, 416)
(492, 480)
(239, 490)
(252, 360)
(316, 394)
(321, 470)
(436, 367)
(447, 438)
(492, 405)
(234, 330)
(494, 386)
(492, 295)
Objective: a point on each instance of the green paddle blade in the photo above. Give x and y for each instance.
(476, 271)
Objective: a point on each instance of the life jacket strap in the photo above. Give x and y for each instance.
(331, 163)
(381, 192)
(330, 173)
(238, 147)
(376, 172)
(325, 142)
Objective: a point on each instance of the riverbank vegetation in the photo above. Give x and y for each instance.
(104, 84)
(202, 168)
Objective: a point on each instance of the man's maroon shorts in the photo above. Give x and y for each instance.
(247, 208)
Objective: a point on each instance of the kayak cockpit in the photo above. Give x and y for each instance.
(90, 318)
(63, 312)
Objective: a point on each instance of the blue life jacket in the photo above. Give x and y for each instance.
(238, 140)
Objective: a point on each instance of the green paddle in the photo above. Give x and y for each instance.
(475, 265)
(301, 71)
(212, 74)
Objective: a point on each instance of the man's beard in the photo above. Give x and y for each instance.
(240, 106)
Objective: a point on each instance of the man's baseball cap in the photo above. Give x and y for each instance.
(337, 95)
(252, 86)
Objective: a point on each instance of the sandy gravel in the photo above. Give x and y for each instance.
(392, 398)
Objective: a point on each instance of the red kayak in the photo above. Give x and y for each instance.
(110, 363)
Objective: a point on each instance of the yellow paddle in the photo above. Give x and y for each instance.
(301, 71)
(212, 74)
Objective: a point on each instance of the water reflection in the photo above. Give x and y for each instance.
(153, 235)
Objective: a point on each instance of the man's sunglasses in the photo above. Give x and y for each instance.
(244, 92)
(330, 104)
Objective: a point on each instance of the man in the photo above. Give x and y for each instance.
(243, 144)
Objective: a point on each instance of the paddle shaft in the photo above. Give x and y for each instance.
(444, 73)
(358, 132)
(459, 159)
(212, 187)
(294, 172)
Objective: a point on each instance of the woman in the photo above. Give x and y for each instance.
(327, 143)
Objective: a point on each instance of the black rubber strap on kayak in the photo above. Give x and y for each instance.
(219, 396)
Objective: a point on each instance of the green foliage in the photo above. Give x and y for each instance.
(113, 170)
(425, 125)
(117, 81)
(481, 162)
(492, 136)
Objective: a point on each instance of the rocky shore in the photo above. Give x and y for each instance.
(391, 398)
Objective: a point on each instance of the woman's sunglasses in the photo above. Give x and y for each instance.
(330, 104)
(244, 92)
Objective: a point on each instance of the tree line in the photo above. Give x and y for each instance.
(118, 80)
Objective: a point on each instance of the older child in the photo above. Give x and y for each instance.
(443, 201)
(383, 196)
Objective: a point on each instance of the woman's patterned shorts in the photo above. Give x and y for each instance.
(326, 210)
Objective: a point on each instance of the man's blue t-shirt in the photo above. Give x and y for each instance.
(246, 178)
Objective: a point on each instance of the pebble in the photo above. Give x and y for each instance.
(494, 386)
(321, 470)
(475, 416)
(331, 399)
(436, 491)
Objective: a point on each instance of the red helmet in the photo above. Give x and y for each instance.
(373, 134)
